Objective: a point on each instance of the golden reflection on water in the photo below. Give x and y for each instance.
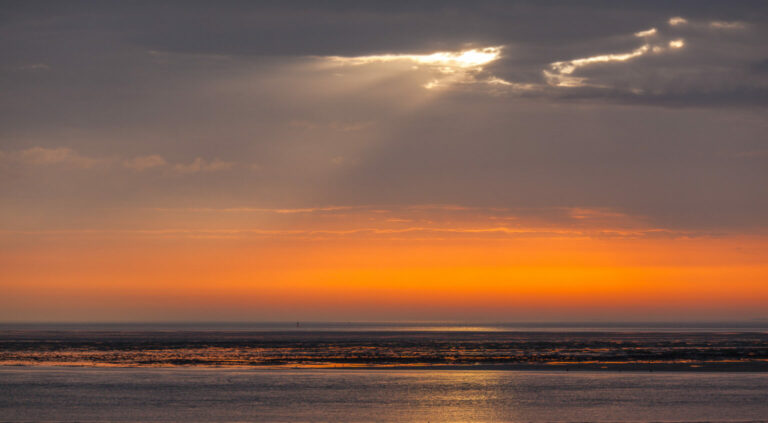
(463, 396)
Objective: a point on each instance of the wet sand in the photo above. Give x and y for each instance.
(436, 350)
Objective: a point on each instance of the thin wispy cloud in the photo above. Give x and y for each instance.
(202, 165)
(67, 158)
(58, 156)
(145, 162)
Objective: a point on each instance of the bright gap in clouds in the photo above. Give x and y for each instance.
(444, 67)
(560, 73)
(466, 59)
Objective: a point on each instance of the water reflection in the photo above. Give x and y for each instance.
(377, 395)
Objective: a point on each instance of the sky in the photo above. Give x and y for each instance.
(383, 161)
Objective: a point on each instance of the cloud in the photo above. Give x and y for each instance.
(560, 74)
(156, 161)
(677, 20)
(145, 162)
(445, 68)
(34, 67)
(647, 33)
(246, 209)
(421, 222)
(686, 62)
(487, 132)
(339, 126)
(61, 156)
(69, 158)
(202, 165)
(715, 24)
(449, 61)
(727, 25)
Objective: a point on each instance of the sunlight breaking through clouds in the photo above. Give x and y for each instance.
(560, 74)
(647, 33)
(677, 43)
(447, 60)
(677, 20)
(727, 25)
(704, 25)
(446, 67)
(482, 69)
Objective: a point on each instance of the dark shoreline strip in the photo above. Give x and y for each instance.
(705, 367)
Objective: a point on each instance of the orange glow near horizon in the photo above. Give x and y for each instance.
(453, 266)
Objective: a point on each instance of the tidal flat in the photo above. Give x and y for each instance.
(386, 349)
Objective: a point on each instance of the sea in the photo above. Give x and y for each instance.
(384, 373)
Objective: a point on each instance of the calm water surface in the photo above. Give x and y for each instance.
(283, 395)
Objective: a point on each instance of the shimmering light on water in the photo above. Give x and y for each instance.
(88, 394)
